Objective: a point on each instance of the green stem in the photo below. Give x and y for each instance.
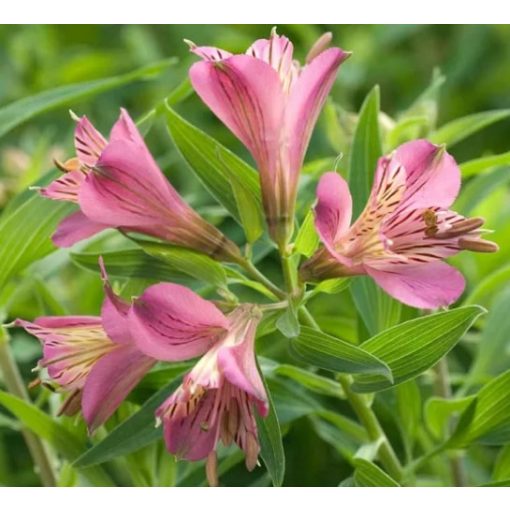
(248, 266)
(14, 384)
(365, 414)
(289, 275)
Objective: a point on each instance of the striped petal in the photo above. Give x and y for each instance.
(76, 227)
(88, 141)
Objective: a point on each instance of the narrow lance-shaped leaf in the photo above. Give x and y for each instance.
(195, 264)
(271, 447)
(331, 353)
(14, 114)
(413, 347)
(137, 431)
(25, 231)
(459, 129)
(63, 440)
(367, 474)
(214, 165)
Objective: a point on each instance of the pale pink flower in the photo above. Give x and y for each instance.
(117, 184)
(404, 232)
(271, 104)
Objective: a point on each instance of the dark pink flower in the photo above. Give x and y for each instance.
(218, 397)
(271, 104)
(117, 184)
(404, 232)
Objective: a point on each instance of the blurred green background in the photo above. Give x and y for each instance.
(401, 58)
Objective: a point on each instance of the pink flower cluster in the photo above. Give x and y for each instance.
(271, 104)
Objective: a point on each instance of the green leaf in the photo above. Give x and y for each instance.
(288, 323)
(409, 412)
(439, 411)
(25, 232)
(367, 474)
(492, 356)
(64, 441)
(502, 464)
(413, 347)
(24, 109)
(331, 286)
(215, 166)
(249, 211)
(192, 263)
(489, 286)
(307, 238)
(310, 381)
(137, 431)
(459, 129)
(378, 310)
(480, 188)
(489, 415)
(133, 263)
(271, 446)
(480, 165)
(331, 353)
(366, 150)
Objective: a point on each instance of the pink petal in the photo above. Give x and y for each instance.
(110, 381)
(74, 228)
(433, 177)
(170, 322)
(114, 312)
(306, 100)
(430, 285)
(88, 141)
(246, 95)
(128, 189)
(210, 53)
(185, 437)
(277, 51)
(333, 211)
(70, 346)
(64, 188)
(125, 130)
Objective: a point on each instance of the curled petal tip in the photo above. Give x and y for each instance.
(191, 45)
(73, 116)
(274, 32)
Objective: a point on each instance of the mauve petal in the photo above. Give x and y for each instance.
(64, 188)
(88, 141)
(430, 285)
(75, 227)
(210, 53)
(128, 189)
(71, 345)
(246, 95)
(114, 312)
(307, 97)
(333, 211)
(110, 381)
(170, 322)
(433, 177)
(125, 130)
(277, 51)
(185, 437)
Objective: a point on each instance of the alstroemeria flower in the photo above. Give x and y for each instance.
(404, 232)
(117, 184)
(271, 104)
(218, 397)
(94, 359)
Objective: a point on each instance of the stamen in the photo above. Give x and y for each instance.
(478, 245)
(319, 46)
(211, 470)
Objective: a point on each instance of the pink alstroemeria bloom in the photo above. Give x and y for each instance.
(404, 232)
(117, 184)
(271, 104)
(94, 359)
(218, 397)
